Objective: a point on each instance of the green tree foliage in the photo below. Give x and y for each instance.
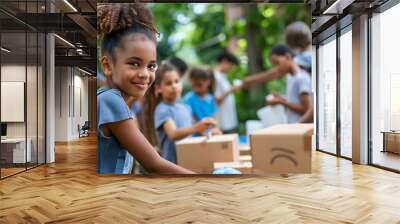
(270, 21)
(198, 32)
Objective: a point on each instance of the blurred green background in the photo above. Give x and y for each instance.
(198, 32)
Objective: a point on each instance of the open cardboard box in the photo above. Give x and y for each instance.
(281, 149)
(199, 153)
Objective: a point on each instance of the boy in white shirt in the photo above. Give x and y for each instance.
(223, 92)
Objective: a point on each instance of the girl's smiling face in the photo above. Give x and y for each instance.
(132, 69)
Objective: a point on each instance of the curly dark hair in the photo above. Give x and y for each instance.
(281, 50)
(115, 20)
(228, 56)
(298, 34)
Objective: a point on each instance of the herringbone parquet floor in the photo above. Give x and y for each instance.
(70, 191)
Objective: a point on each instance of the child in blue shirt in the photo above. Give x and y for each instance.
(201, 100)
(172, 120)
(129, 63)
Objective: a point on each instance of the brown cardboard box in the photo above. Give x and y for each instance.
(284, 148)
(199, 154)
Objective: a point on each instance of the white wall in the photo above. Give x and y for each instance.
(12, 73)
(70, 84)
(61, 103)
(80, 115)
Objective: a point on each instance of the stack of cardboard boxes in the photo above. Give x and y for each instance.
(278, 149)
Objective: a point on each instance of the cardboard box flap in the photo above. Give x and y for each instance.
(223, 138)
(191, 140)
(202, 139)
(287, 129)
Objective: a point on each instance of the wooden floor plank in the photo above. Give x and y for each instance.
(70, 191)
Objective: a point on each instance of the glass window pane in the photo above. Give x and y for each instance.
(31, 97)
(346, 94)
(41, 99)
(327, 97)
(22, 86)
(385, 84)
(14, 153)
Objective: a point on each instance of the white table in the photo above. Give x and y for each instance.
(19, 155)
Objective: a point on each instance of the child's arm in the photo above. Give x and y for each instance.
(301, 108)
(221, 98)
(132, 139)
(263, 77)
(308, 116)
(179, 133)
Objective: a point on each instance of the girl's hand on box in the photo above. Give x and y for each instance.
(210, 121)
(201, 126)
(216, 131)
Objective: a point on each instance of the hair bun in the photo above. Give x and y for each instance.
(107, 13)
(113, 17)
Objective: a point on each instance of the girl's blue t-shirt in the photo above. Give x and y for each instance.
(112, 158)
(181, 115)
(202, 107)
